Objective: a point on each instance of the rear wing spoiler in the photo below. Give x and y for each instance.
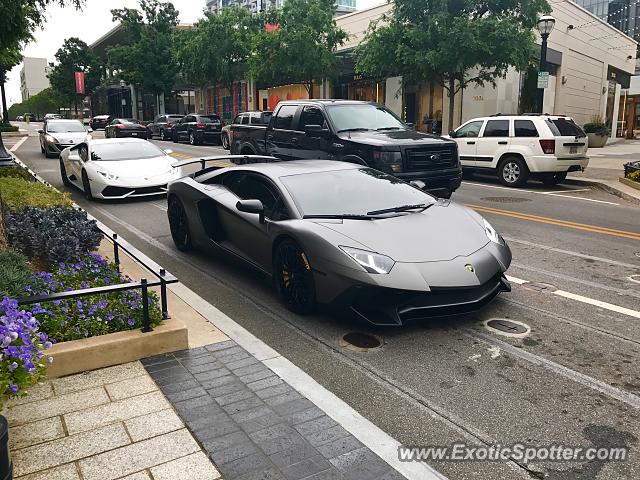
(226, 160)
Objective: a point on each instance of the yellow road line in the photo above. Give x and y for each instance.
(558, 222)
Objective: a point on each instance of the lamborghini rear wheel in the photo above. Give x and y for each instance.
(293, 278)
(178, 225)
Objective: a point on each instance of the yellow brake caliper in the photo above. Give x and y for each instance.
(305, 260)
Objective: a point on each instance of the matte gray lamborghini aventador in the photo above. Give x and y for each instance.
(343, 234)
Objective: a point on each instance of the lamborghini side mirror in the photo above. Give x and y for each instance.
(251, 206)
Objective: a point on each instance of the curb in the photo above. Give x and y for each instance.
(605, 187)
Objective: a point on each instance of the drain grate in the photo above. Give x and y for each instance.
(507, 327)
(362, 341)
(506, 199)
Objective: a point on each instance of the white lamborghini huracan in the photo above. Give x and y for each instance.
(118, 168)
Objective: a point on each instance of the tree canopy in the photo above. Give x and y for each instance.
(74, 56)
(19, 18)
(451, 42)
(302, 45)
(216, 49)
(41, 103)
(147, 58)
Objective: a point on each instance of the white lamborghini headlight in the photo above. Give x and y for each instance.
(50, 139)
(370, 261)
(108, 176)
(492, 233)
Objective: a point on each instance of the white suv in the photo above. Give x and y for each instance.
(519, 146)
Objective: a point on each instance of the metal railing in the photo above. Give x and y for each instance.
(163, 277)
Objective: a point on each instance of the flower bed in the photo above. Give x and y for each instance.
(47, 248)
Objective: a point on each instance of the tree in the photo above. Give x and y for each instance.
(146, 60)
(455, 43)
(221, 62)
(9, 58)
(41, 103)
(302, 45)
(74, 56)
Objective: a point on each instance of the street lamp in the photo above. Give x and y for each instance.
(122, 100)
(545, 25)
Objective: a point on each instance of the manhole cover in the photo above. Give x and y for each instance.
(635, 278)
(360, 341)
(507, 327)
(506, 199)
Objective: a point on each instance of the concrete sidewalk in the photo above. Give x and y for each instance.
(606, 166)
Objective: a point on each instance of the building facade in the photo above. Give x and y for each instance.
(33, 76)
(590, 64)
(343, 6)
(622, 14)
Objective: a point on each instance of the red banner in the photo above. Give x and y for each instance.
(79, 76)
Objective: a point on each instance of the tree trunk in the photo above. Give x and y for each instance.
(452, 97)
(5, 109)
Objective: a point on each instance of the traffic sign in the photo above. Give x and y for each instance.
(543, 79)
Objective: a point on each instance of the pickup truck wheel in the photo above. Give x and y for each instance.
(513, 172)
(553, 178)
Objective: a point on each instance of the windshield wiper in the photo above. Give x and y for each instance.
(402, 208)
(349, 216)
(357, 129)
(388, 128)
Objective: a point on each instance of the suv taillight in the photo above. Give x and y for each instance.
(200, 125)
(548, 146)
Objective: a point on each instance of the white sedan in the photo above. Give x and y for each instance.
(118, 168)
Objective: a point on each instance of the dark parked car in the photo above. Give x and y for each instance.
(256, 118)
(198, 129)
(162, 126)
(126, 127)
(100, 121)
(358, 132)
(341, 234)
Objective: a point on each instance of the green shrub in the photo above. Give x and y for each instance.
(93, 315)
(15, 274)
(52, 235)
(7, 128)
(15, 172)
(597, 126)
(17, 193)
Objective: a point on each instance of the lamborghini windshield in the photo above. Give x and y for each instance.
(351, 192)
(113, 151)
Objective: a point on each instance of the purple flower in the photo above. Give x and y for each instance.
(14, 388)
(49, 360)
(13, 366)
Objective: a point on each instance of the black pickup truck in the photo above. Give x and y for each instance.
(357, 132)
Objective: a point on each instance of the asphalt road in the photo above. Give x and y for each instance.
(573, 380)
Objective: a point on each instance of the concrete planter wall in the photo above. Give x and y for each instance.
(631, 183)
(597, 141)
(116, 348)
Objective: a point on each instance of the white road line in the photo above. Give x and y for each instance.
(569, 191)
(574, 254)
(517, 281)
(552, 194)
(598, 303)
(378, 441)
(566, 372)
(161, 207)
(18, 144)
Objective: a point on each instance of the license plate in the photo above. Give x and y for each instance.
(135, 134)
(573, 149)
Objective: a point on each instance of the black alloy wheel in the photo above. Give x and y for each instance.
(178, 225)
(63, 175)
(163, 137)
(192, 139)
(225, 141)
(86, 186)
(293, 278)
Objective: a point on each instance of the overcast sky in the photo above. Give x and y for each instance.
(89, 25)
